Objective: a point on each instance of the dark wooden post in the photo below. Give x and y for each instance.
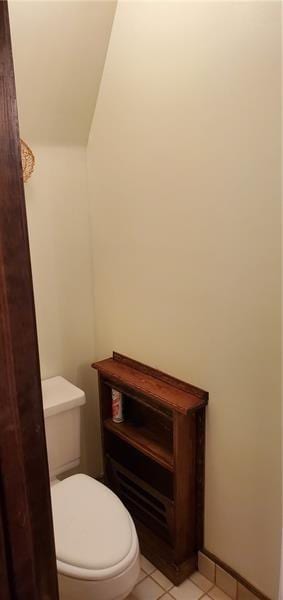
(26, 540)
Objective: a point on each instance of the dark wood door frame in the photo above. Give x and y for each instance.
(28, 568)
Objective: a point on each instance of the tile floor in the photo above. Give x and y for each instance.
(153, 585)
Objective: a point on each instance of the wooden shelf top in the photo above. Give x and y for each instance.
(140, 439)
(129, 374)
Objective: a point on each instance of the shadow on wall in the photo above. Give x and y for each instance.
(91, 455)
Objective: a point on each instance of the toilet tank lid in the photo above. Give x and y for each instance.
(60, 395)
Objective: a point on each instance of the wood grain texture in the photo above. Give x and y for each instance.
(26, 507)
(140, 440)
(200, 476)
(5, 579)
(178, 383)
(185, 486)
(161, 555)
(146, 382)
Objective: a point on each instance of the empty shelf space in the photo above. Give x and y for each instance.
(141, 439)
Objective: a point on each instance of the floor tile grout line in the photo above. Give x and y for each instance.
(200, 598)
(164, 590)
(173, 598)
(168, 590)
(208, 593)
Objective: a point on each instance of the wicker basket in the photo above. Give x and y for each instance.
(27, 160)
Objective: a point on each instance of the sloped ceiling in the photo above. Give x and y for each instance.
(59, 50)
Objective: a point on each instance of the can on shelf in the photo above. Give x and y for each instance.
(117, 406)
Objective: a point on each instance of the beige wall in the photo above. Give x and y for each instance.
(59, 49)
(59, 233)
(184, 176)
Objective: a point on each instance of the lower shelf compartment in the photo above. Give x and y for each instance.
(162, 555)
(137, 463)
(143, 501)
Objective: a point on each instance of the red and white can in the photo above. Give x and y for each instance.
(117, 406)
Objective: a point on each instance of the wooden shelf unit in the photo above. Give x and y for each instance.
(154, 459)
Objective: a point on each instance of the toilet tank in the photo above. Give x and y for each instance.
(61, 404)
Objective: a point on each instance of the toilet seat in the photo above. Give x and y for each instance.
(95, 536)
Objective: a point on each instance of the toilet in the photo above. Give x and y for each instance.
(97, 547)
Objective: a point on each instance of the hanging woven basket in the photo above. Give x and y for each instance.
(27, 161)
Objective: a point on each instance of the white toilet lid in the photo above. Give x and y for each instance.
(93, 530)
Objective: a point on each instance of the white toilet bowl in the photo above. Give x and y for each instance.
(97, 547)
